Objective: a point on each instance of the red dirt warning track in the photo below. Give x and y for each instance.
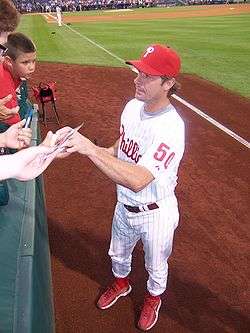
(209, 269)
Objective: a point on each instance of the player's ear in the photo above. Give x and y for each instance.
(168, 84)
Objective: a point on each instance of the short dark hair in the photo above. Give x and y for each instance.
(19, 43)
(9, 16)
(174, 88)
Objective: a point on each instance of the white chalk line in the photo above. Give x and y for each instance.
(181, 100)
(91, 41)
(213, 121)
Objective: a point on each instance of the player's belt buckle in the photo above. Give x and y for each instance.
(143, 208)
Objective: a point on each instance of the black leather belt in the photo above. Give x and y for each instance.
(143, 208)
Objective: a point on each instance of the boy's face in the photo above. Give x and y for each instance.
(24, 65)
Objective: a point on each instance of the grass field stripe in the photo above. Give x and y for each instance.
(90, 41)
(213, 121)
(190, 106)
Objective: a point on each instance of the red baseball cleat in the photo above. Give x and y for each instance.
(120, 287)
(149, 313)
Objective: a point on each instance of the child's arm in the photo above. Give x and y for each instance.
(5, 112)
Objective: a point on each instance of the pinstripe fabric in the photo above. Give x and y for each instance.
(157, 143)
(149, 132)
(155, 228)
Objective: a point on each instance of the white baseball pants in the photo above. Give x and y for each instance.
(59, 19)
(156, 230)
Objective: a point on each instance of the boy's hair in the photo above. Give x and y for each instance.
(17, 44)
(9, 16)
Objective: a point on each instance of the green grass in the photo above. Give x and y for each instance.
(215, 48)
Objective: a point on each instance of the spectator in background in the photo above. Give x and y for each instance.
(9, 19)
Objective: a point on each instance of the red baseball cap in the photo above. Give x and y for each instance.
(158, 60)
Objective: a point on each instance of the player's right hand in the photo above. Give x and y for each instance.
(62, 132)
(60, 135)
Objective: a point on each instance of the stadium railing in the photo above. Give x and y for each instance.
(26, 298)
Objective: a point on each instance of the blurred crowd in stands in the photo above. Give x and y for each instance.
(80, 5)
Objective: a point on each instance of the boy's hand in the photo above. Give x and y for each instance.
(5, 112)
(17, 137)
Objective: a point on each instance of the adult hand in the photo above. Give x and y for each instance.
(27, 163)
(49, 140)
(33, 161)
(16, 136)
(59, 135)
(79, 143)
(5, 112)
(62, 132)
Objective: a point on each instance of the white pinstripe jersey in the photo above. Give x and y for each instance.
(155, 141)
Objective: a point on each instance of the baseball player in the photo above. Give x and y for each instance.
(143, 163)
(59, 15)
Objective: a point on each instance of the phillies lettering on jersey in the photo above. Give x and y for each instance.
(129, 147)
(155, 142)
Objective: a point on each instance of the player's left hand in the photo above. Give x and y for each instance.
(17, 137)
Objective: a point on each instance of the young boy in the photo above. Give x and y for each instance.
(19, 63)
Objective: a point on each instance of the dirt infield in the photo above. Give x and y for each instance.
(186, 12)
(209, 268)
